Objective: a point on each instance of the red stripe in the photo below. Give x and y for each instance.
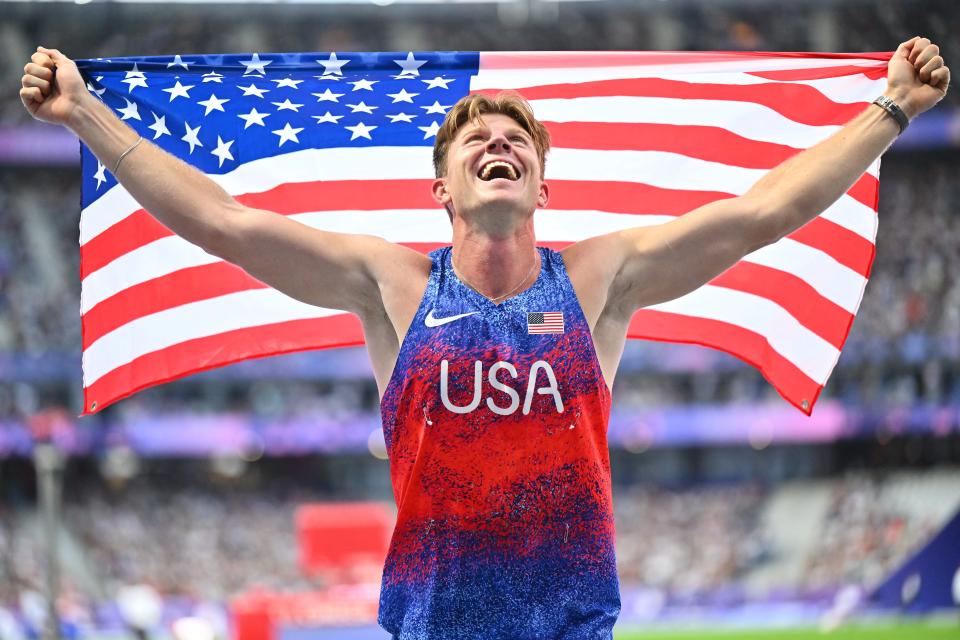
(874, 73)
(552, 60)
(844, 246)
(713, 144)
(182, 359)
(750, 347)
(798, 102)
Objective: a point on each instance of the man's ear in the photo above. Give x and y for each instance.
(439, 191)
(544, 197)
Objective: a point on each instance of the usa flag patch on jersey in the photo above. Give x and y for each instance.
(545, 322)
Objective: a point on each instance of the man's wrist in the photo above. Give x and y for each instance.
(900, 97)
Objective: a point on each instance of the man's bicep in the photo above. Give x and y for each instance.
(323, 268)
(669, 260)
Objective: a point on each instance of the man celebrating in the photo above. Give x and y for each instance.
(493, 357)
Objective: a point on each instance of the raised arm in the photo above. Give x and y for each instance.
(656, 264)
(326, 269)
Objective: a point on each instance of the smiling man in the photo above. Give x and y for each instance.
(494, 358)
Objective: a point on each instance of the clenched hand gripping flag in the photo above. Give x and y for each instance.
(342, 141)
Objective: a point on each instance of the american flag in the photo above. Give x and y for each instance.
(342, 141)
(545, 322)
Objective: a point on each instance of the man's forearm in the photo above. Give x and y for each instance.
(801, 188)
(178, 195)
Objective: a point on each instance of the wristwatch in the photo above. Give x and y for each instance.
(894, 110)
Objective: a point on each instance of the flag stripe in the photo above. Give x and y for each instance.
(746, 345)
(877, 72)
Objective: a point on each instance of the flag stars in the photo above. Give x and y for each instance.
(253, 90)
(333, 66)
(213, 103)
(288, 133)
(328, 96)
(130, 111)
(287, 82)
(179, 91)
(286, 104)
(437, 83)
(223, 150)
(255, 65)
(213, 76)
(364, 85)
(410, 66)
(360, 130)
(191, 137)
(430, 131)
(100, 175)
(254, 117)
(403, 96)
(135, 78)
(327, 117)
(436, 107)
(400, 117)
(97, 92)
(159, 126)
(178, 62)
(362, 108)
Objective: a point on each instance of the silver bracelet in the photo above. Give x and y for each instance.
(124, 155)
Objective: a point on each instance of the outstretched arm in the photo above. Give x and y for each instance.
(326, 269)
(656, 264)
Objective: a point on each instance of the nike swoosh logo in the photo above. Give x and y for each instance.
(432, 321)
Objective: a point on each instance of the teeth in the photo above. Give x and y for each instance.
(485, 172)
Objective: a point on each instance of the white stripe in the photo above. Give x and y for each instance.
(747, 119)
(810, 353)
(831, 279)
(195, 320)
(656, 168)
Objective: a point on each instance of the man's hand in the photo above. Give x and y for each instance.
(52, 86)
(917, 78)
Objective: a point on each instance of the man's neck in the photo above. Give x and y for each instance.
(495, 266)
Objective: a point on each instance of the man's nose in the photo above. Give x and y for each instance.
(498, 143)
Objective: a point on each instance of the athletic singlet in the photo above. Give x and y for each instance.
(500, 469)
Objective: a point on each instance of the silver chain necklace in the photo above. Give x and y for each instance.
(456, 271)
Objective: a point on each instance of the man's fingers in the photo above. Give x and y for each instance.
(925, 56)
(30, 96)
(940, 78)
(905, 47)
(42, 59)
(918, 46)
(34, 81)
(54, 54)
(929, 67)
(40, 71)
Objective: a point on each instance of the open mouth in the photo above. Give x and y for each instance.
(498, 169)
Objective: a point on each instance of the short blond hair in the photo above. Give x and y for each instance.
(473, 107)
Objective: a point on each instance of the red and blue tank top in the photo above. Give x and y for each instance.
(495, 420)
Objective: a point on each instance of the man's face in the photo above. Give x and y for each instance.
(492, 168)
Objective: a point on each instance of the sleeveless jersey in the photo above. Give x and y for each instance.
(495, 419)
